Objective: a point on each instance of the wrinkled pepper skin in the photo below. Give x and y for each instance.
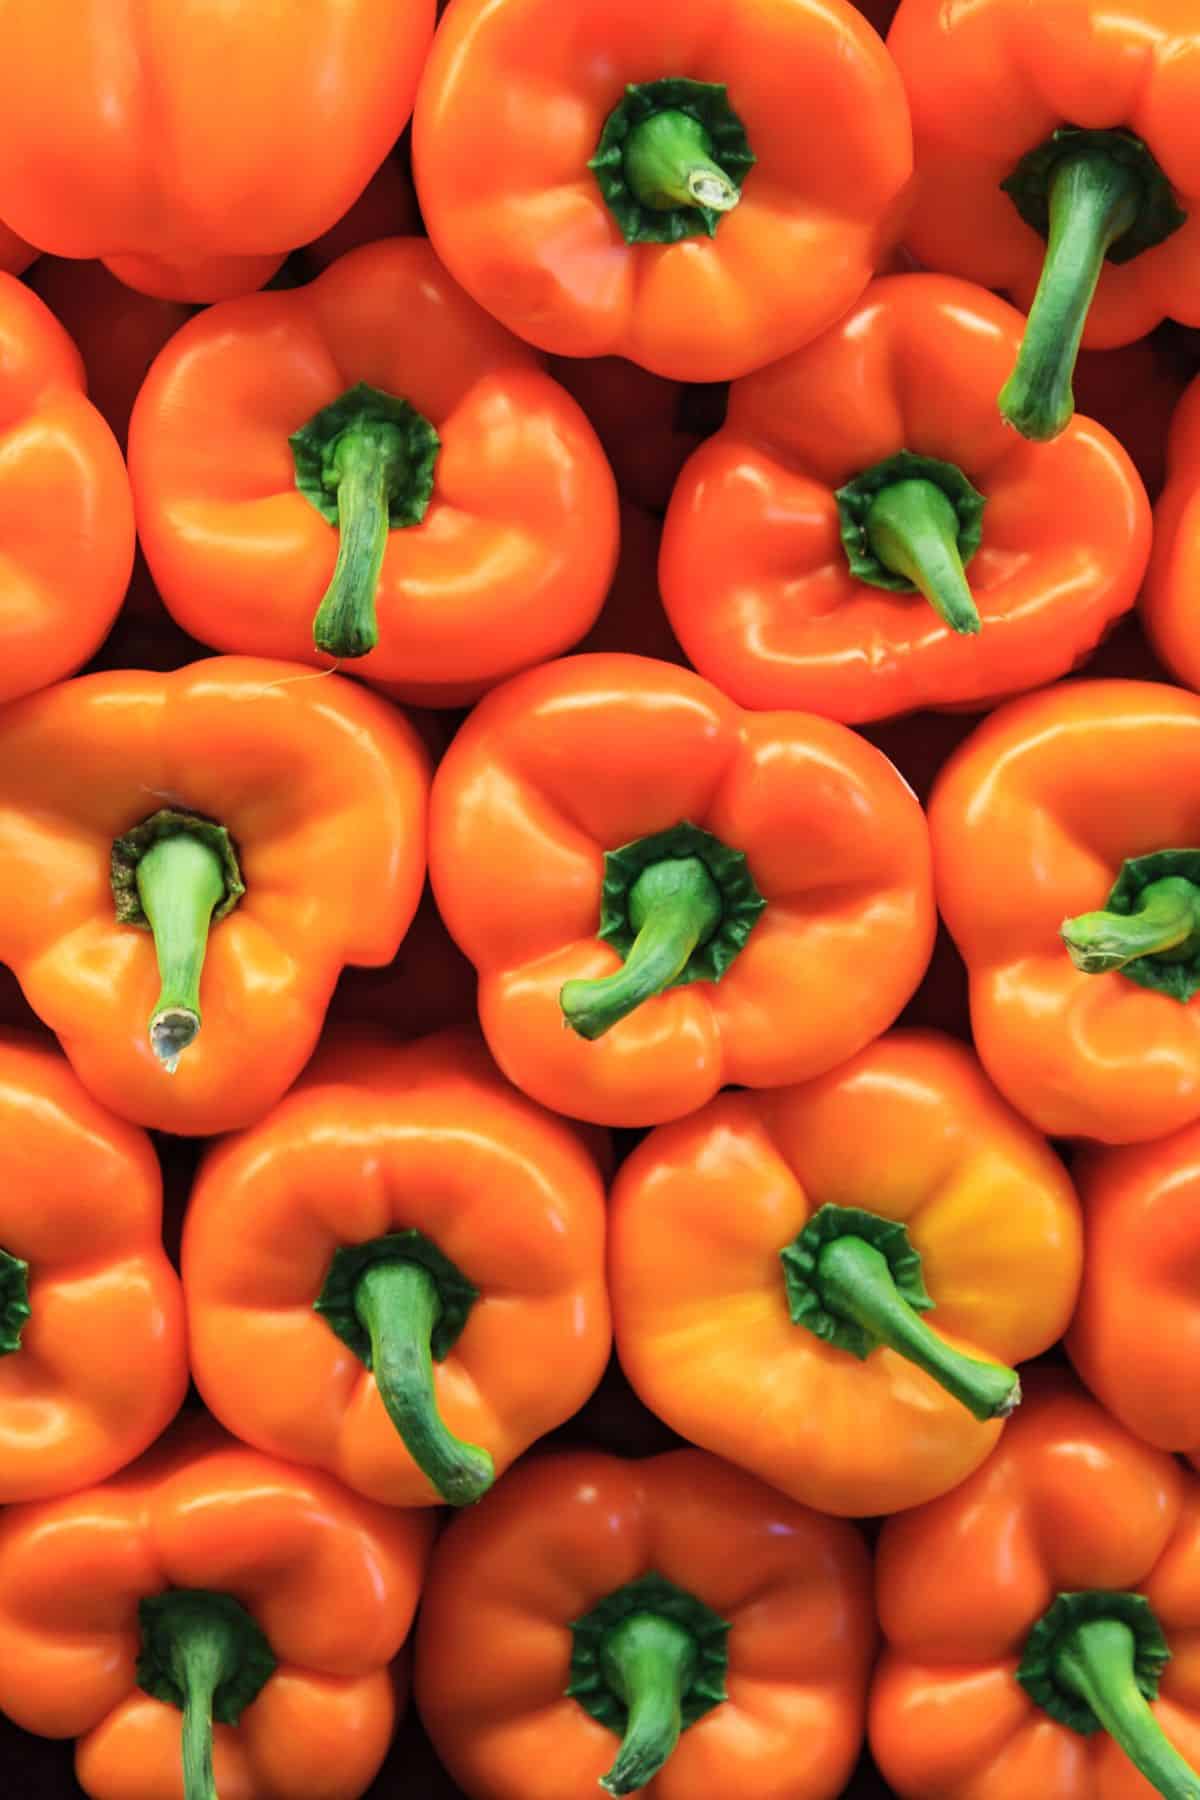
(510, 563)
(1169, 609)
(66, 513)
(512, 104)
(101, 1364)
(190, 147)
(909, 1130)
(375, 1139)
(1031, 820)
(331, 1580)
(1133, 1338)
(1068, 1502)
(579, 757)
(322, 787)
(755, 577)
(559, 1534)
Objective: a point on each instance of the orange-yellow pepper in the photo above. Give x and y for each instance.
(671, 1621)
(247, 827)
(824, 1283)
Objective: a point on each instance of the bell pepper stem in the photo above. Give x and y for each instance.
(204, 1652)
(855, 1280)
(667, 163)
(674, 906)
(1097, 1662)
(1168, 916)
(912, 528)
(397, 1304)
(179, 880)
(368, 460)
(649, 1663)
(1093, 200)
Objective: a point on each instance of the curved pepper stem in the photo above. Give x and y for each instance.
(1093, 201)
(398, 1305)
(1097, 1662)
(668, 163)
(856, 1282)
(913, 530)
(1167, 918)
(180, 880)
(368, 460)
(649, 1662)
(674, 907)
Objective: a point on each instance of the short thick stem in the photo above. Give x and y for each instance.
(668, 162)
(1093, 200)
(674, 906)
(912, 528)
(856, 1282)
(649, 1663)
(367, 462)
(180, 881)
(1097, 1663)
(398, 1305)
(1167, 919)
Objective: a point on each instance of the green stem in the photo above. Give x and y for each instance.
(674, 907)
(179, 881)
(1093, 201)
(204, 1652)
(1096, 1662)
(855, 1280)
(668, 163)
(649, 1663)
(913, 530)
(398, 1305)
(1167, 919)
(367, 462)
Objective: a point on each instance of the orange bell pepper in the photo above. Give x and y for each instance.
(93, 1357)
(615, 179)
(1056, 158)
(1042, 1620)
(1169, 606)
(402, 1208)
(387, 207)
(15, 254)
(241, 824)
(66, 516)
(190, 147)
(648, 427)
(722, 1633)
(870, 473)
(824, 1283)
(704, 896)
(313, 483)
(213, 1582)
(1062, 835)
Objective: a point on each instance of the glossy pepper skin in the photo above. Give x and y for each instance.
(93, 1354)
(772, 605)
(328, 1579)
(1032, 821)
(510, 544)
(321, 787)
(704, 1217)
(1068, 1503)
(191, 147)
(991, 83)
(511, 108)
(66, 514)
(378, 1140)
(1168, 605)
(570, 776)
(562, 1533)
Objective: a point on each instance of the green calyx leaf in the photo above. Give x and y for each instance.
(1049, 1637)
(174, 1622)
(129, 849)
(14, 1302)
(801, 1273)
(723, 137)
(855, 499)
(1158, 214)
(651, 1593)
(1176, 974)
(406, 440)
(741, 903)
(336, 1304)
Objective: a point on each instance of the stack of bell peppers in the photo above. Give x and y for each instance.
(600, 899)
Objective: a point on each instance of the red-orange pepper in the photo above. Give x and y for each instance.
(312, 482)
(210, 1580)
(866, 536)
(704, 896)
